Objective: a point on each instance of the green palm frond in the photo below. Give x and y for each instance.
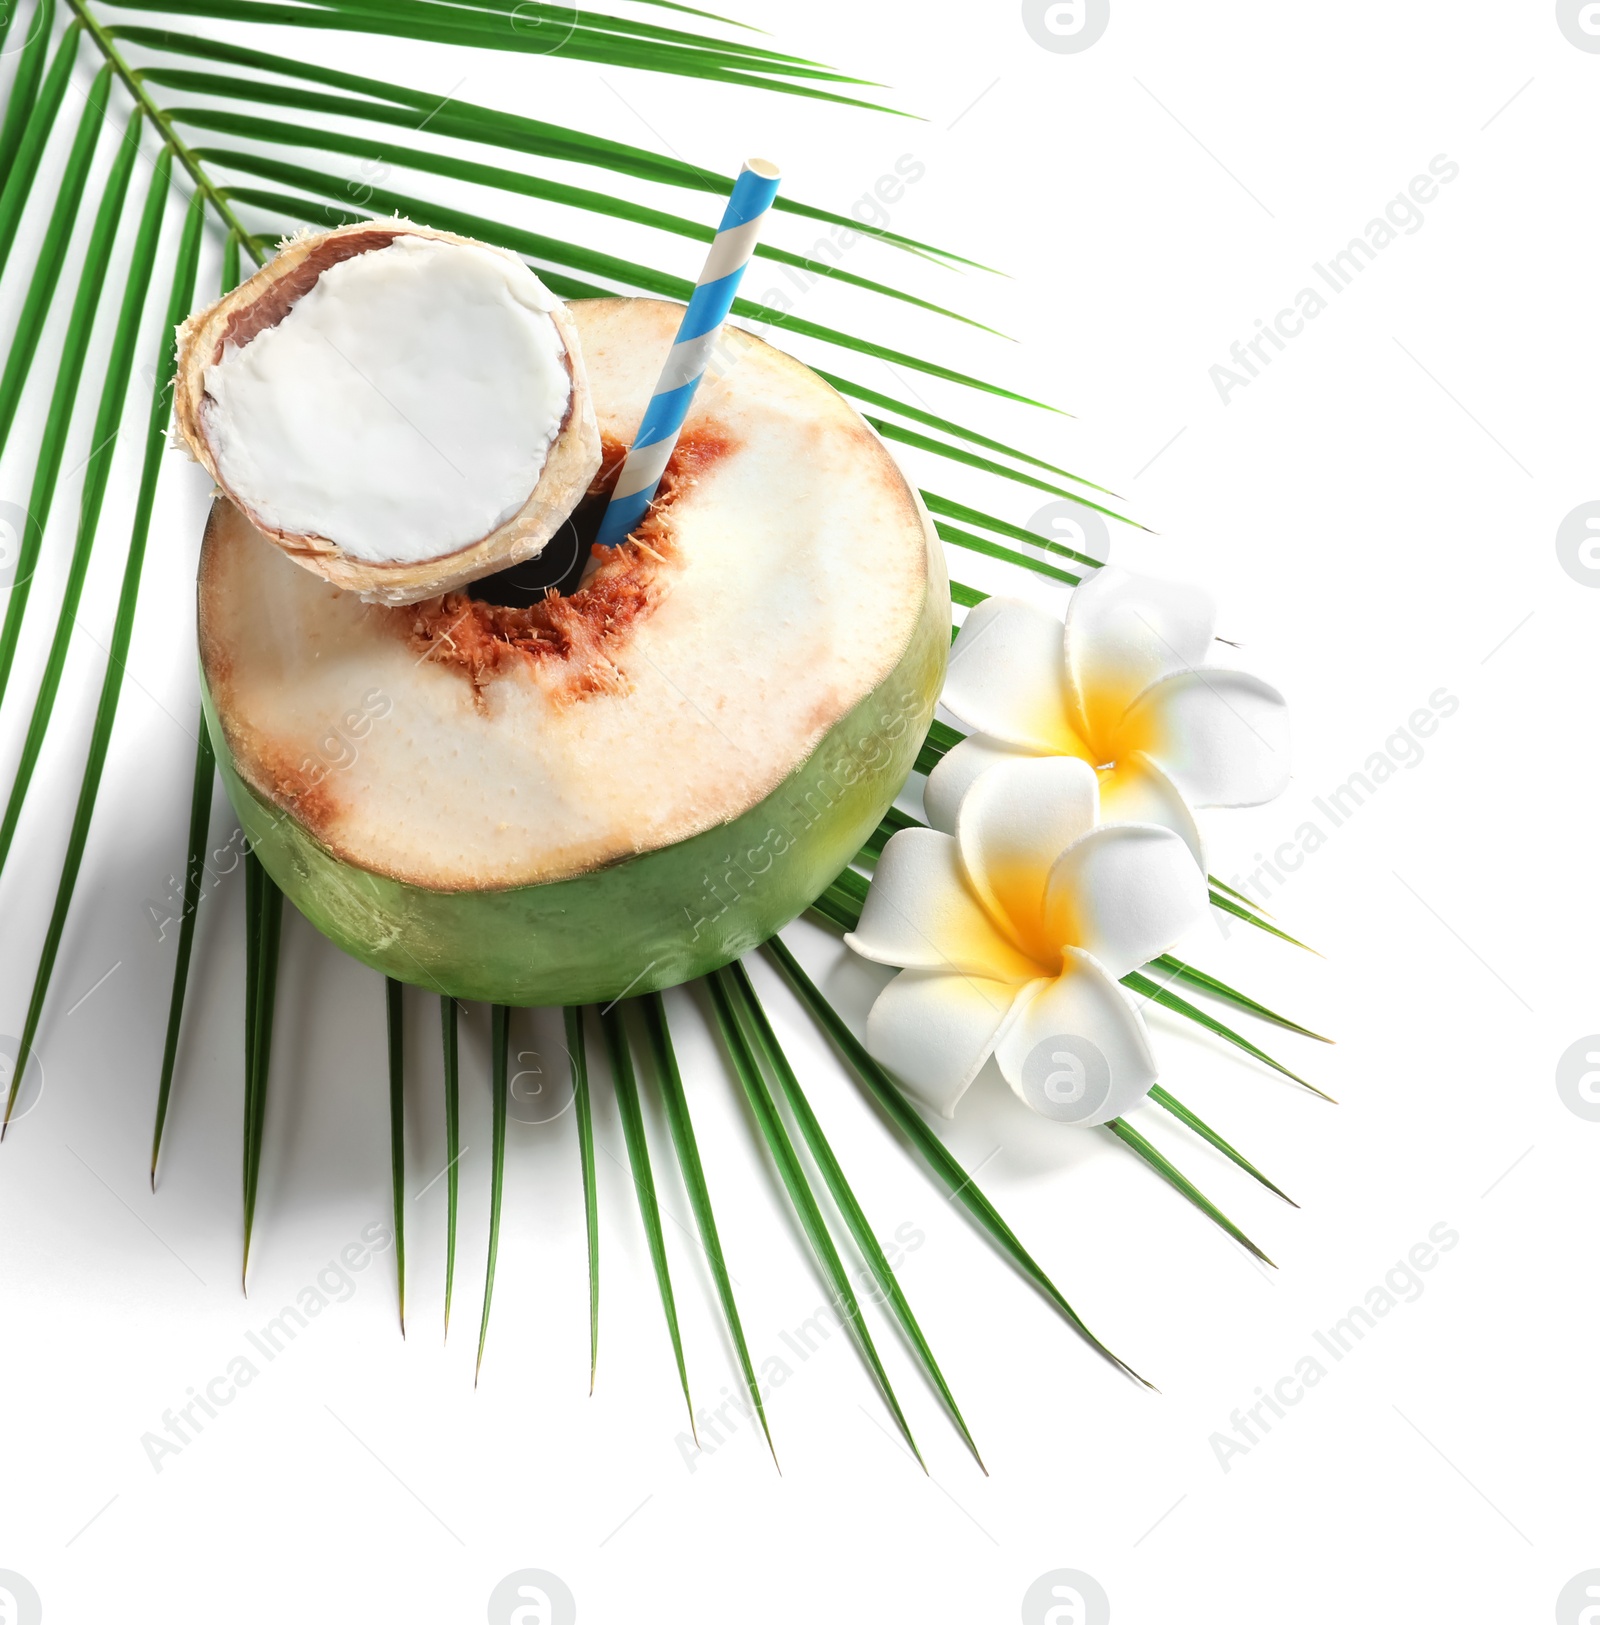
(844, 1198)
(583, 1110)
(742, 1044)
(52, 255)
(180, 301)
(405, 108)
(394, 1007)
(626, 1087)
(264, 926)
(1181, 1183)
(450, 1037)
(903, 1116)
(255, 140)
(438, 24)
(30, 117)
(694, 1181)
(205, 775)
(499, 1065)
(1193, 976)
(46, 65)
(194, 873)
(69, 375)
(1168, 1102)
(1146, 988)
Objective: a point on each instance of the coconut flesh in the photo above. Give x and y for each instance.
(401, 410)
(619, 788)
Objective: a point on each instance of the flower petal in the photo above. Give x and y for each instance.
(1077, 1050)
(1137, 791)
(1007, 677)
(920, 913)
(1221, 736)
(1125, 894)
(934, 1030)
(1014, 822)
(953, 777)
(1125, 631)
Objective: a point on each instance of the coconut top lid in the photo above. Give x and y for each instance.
(404, 407)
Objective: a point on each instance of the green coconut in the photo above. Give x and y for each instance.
(613, 789)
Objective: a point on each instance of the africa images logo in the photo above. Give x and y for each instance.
(1066, 1597)
(19, 1602)
(1065, 26)
(532, 1597)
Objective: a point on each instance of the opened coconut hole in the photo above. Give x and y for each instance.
(575, 598)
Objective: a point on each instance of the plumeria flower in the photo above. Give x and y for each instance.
(1012, 924)
(1124, 687)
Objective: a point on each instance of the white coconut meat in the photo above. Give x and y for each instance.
(400, 409)
(459, 746)
(404, 408)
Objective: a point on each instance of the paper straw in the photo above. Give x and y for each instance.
(709, 305)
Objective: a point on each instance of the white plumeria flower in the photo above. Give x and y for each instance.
(1124, 687)
(1012, 924)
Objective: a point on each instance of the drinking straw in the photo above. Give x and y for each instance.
(709, 305)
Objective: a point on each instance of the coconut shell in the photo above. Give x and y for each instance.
(616, 790)
(262, 302)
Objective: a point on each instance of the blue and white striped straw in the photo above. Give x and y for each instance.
(731, 249)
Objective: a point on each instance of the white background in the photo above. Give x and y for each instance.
(1377, 512)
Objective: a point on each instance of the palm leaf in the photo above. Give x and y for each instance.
(511, 12)
(899, 1111)
(1194, 977)
(644, 1185)
(25, 86)
(30, 116)
(436, 26)
(452, 1142)
(245, 80)
(468, 121)
(1186, 1187)
(32, 109)
(395, 1030)
(113, 399)
(1007, 555)
(919, 414)
(58, 422)
(182, 296)
(499, 1046)
(1250, 917)
(1169, 1103)
(844, 1198)
(553, 258)
(205, 772)
(740, 1043)
(319, 183)
(252, 977)
(694, 1181)
(266, 916)
(51, 255)
(909, 437)
(1146, 988)
(583, 1110)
